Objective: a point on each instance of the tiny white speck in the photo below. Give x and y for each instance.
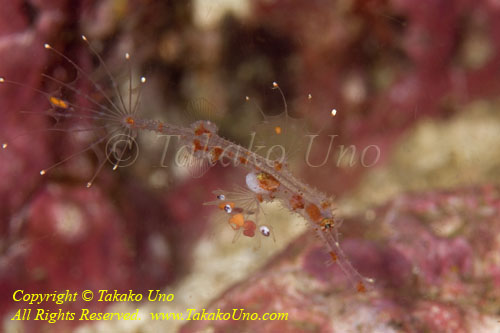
(247, 98)
(84, 38)
(47, 46)
(275, 84)
(43, 172)
(265, 231)
(127, 56)
(2, 79)
(309, 96)
(89, 184)
(115, 167)
(4, 145)
(334, 112)
(143, 79)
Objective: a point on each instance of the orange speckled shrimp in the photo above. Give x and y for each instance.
(270, 179)
(268, 175)
(242, 210)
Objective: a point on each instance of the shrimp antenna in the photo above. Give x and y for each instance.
(133, 110)
(64, 104)
(127, 57)
(139, 94)
(108, 73)
(111, 115)
(248, 99)
(81, 71)
(99, 168)
(90, 146)
(277, 87)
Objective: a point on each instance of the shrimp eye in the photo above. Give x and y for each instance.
(265, 231)
(326, 224)
(221, 197)
(226, 206)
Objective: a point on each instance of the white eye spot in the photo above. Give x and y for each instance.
(221, 197)
(228, 209)
(265, 231)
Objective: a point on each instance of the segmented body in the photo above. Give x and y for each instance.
(268, 179)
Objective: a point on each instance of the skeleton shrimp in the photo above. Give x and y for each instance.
(267, 179)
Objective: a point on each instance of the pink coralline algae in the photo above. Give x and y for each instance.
(61, 244)
(434, 257)
(55, 234)
(382, 64)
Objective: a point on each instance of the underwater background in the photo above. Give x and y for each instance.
(418, 81)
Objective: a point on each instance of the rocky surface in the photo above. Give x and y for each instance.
(434, 257)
